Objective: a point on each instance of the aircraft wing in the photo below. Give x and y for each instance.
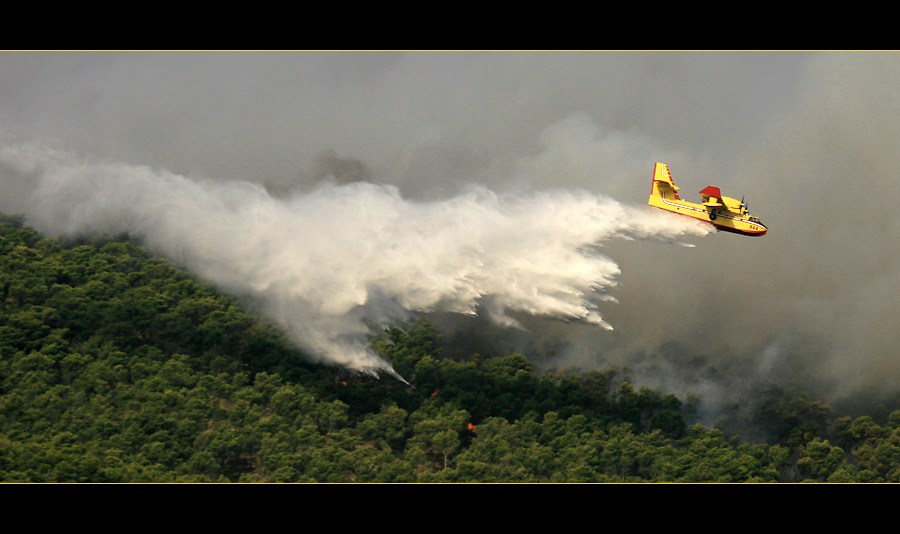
(711, 197)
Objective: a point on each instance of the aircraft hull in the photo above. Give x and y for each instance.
(726, 221)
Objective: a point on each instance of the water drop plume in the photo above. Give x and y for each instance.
(330, 264)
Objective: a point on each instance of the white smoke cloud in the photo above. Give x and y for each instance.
(329, 264)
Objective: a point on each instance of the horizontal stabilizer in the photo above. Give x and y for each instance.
(661, 174)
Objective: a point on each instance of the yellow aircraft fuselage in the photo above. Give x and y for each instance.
(724, 213)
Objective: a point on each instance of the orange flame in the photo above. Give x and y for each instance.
(435, 392)
(472, 428)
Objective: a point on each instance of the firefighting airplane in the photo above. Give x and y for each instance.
(724, 213)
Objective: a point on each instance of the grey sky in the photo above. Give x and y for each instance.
(418, 119)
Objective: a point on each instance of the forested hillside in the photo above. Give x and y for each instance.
(116, 366)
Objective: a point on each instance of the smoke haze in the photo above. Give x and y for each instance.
(490, 176)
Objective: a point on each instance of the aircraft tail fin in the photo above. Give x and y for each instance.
(663, 186)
